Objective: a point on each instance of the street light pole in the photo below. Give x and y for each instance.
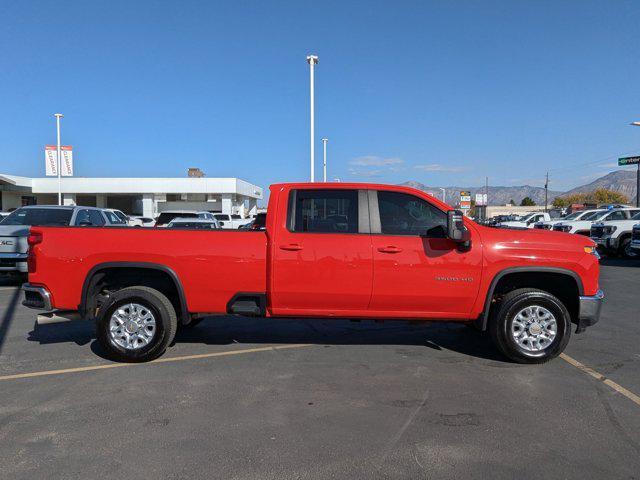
(637, 124)
(58, 161)
(324, 159)
(312, 60)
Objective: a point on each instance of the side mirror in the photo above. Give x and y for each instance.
(221, 223)
(456, 230)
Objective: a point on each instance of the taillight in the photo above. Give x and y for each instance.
(33, 239)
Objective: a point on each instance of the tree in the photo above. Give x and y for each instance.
(511, 202)
(600, 196)
(560, 202)
(527, 202)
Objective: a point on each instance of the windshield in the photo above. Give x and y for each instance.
(39, 216)
(636, 216)
(593, 215)
(573, 216)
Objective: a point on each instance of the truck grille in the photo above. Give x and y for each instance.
(636, 234)
(597, 232)
(561, 228)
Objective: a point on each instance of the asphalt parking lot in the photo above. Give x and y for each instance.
(276, 399)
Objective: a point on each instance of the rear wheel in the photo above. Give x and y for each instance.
(137, 325)
(530, 326)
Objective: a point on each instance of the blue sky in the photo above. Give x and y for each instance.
(439, 92)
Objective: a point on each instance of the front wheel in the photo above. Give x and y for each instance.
(530, 326)
(626, 250)
(137, 325)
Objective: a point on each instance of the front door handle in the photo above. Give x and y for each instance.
(390, 249)
(292, 247)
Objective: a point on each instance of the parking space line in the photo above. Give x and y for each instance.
(598, 376)
(9, 288)
(160, 360)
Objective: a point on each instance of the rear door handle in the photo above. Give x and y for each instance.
(292, 247)
(390, 249)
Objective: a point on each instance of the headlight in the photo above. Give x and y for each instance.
(592, 250)
(610, 229)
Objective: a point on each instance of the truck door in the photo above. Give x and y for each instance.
(322, 261)
(417, 270)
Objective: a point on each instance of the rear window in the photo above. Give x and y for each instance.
(193, 225)
(326, 211)
(165, 217)
(39, 217)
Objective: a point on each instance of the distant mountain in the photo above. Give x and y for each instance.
(623, 181)
(497, 195)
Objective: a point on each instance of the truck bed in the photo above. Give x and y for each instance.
(68, 254)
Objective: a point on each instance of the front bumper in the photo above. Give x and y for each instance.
(13, 262)
(590, 308)
(36, 297)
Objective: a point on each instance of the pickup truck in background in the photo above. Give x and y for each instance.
(575, 216)
(231, 222)
(329, 250)
(527, 221)
(583, 225)
(14, 229)
(615, 236)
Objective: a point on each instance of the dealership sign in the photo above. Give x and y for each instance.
(465, 200)
(481, 199)
(628, 161)
(51, 161)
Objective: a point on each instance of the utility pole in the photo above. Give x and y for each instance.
(637, 124)
(312, 60)
(324, 159)
(486, 196)
(58, 161)
(546, 191)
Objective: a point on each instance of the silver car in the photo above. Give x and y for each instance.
(14, 229)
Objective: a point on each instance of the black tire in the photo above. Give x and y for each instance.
(166, 324)
(625, 249)
(504, 314)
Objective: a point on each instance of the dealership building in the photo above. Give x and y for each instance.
(135, 196)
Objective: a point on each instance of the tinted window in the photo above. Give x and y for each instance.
(114, 218)
(222, 217)
(165, 217)
(193, 225)
(404, 214)
(39, 216)
(90, 217)
(326, 211)
(236, 217)
(619, 215)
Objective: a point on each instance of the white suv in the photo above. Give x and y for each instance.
(579, 215)
(528, 221)
(614, 235)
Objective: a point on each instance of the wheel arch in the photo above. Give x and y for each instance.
(99, 271)
(520, 275)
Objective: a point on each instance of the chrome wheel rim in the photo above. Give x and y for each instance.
(534, 328)
(132, 326)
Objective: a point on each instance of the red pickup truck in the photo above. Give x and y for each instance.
(340, 250)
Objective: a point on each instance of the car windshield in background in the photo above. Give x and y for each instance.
(165, 218)
(573, 216)
(593, 215)
(114, 218)
(636, 216)
(39, 217)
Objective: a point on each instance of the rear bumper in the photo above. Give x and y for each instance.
(13, 262)
(36, 297)
(590, 308)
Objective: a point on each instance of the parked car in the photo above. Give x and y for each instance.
(331, 250)
(231, 221)
(583, 226)
(14, 229)
(527, 221)
(193, 223)
(141, 221)
(166, 217)
(614, 236)
(116, 217)
(548, 225)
